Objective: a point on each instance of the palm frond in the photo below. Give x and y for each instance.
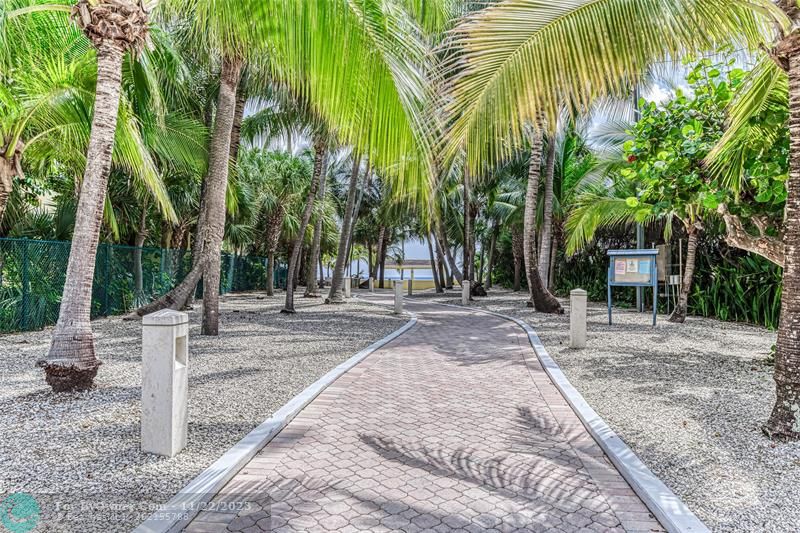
(756, 120)
(594, 210)
(519, 61)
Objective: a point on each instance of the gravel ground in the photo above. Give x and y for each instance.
(78, 454)
(689, 399)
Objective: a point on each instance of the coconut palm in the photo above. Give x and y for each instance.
(317, 177)
(521, 59)
(540, 298)
(225, 33)
(348, 215)
(316, 240)
(113, 30)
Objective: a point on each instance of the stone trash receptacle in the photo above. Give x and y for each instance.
(347, 283)
(165, 382)
(398, 297)
(577, 318)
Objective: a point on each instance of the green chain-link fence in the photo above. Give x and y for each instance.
(125, 277)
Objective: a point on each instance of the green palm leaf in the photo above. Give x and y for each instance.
(520, 60)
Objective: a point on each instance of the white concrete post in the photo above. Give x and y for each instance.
(465, 292)
(348, 282)
(411, 283)
(398, 297)
(577, 318)
(371, 285)
(165, 382)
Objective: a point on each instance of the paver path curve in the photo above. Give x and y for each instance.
(453, 426)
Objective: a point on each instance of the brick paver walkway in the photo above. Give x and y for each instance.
(454, 426)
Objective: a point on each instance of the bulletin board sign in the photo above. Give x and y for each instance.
(633, 268)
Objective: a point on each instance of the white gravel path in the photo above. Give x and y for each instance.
(78, 454)
(689, 400)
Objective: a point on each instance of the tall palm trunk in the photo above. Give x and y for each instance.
(441, 236)
(551, 273)
(215, 211)
(437, 285)
(272, 238)
(356, 211)
(312, 289)
(216, 187)
(297, 267)
(540, 297)
(238, 118)
(206, 259)
(518, 251)
(468, 255)
(784, 421)
(378, 252)
(270, 288)
(316, 177)
(481, 261)
(440, 261)
(71, 363)
(492, 247)
(341, 254)
(384, 250)
(679, 313)
(547, 213)
(10, 166)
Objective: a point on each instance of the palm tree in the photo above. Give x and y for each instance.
(334, 295)
(113, 29)
(546, 233)
(316, 241)
(540, 298)
(317, 177)
(555, 53)
(225, 31)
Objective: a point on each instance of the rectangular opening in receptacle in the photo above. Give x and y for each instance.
(181, 351)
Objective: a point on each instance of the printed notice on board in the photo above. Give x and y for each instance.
(633, 266)
(619, 266)
(644, 267)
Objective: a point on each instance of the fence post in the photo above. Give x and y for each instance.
(107, 281)
(231, 271)
(25, 285)
(161, 268)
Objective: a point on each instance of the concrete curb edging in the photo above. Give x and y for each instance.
(673, 514)
(190, 500)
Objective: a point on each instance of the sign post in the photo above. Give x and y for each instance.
(633, 268)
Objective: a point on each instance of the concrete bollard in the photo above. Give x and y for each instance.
(411, 284)
(371, 285)
(165, 382)
(465, 292)
(577, 318)
(348, 284)
(398, 297)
